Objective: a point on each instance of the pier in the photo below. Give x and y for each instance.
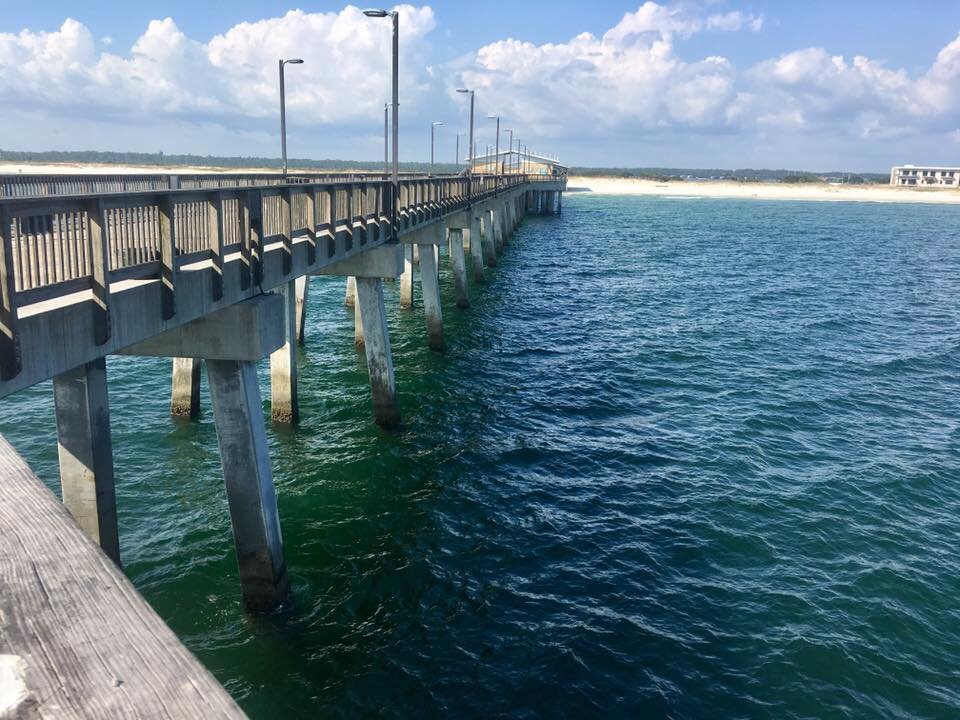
(213, 272)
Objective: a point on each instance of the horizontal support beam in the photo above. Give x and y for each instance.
(248, 330)
(380, 262)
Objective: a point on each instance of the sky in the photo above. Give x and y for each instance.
(816, 85)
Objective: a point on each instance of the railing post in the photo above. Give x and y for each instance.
(215, 235)
(312, 219)
(168, 257)
(100, 266)
(255, 212)
(10, 361)
(243, 222)
(286, 229)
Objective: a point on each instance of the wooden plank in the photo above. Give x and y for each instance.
(78, 640)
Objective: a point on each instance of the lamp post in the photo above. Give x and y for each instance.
(472, 148)
(395, 175)
(386, 144)
(433, 128)
(283, 112)
(497, 149)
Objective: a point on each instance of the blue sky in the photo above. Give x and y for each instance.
(814, 85)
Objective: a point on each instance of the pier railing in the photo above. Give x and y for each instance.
(53, 247)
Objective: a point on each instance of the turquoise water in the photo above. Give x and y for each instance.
(682, 458)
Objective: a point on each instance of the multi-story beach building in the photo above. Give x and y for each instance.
(922, 176)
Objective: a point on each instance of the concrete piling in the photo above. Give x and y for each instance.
(431, 298)
(489, 250)
(458, 267)
(86, 452)
(248, 478)
(373, 317)
(284, 406)
(406, 278)
(303, 290)
(351, 292)
(357, 326)
(185, 387)
(476, 248)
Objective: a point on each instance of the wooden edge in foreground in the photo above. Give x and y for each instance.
(76, 638)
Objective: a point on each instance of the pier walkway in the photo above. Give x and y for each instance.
(209, 270)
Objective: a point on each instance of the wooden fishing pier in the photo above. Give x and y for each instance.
(205, 269)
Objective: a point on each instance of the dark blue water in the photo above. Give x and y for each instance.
(683, 458)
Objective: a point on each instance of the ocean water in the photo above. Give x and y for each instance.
(682, 458)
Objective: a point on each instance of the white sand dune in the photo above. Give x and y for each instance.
(762, 191)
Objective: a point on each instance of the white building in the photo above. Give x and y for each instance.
(925, 176)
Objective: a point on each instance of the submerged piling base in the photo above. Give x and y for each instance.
(245, 459)
(185, 387)
(373, 318)
(86, 453)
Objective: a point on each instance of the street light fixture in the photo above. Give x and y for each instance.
(283, 112)
(395, 175)
(433, 127)
(472, 149)
(497, 156)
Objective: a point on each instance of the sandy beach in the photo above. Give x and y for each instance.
(762, 191)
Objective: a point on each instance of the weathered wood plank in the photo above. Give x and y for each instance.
(76, 638)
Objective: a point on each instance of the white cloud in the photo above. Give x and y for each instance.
(233, 75)
(633, 79)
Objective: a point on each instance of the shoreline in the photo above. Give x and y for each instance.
(821, 192)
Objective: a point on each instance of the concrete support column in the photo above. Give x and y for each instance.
(459, 267)
(505, 227)
(185, 387)
(431, 298)
(357, 326)
(86, 453)
(351, 294)
(284, 407)
(496, 231)
(489, 250)
(245, 459)
(476, 249)
(406, 278)
(416, 255)
(379, 358)
(303, 290)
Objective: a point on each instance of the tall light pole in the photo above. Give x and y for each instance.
(497, 151)
(472, 148)
(395, 175)
(433, 128)
(386, 144)
(283, 112)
